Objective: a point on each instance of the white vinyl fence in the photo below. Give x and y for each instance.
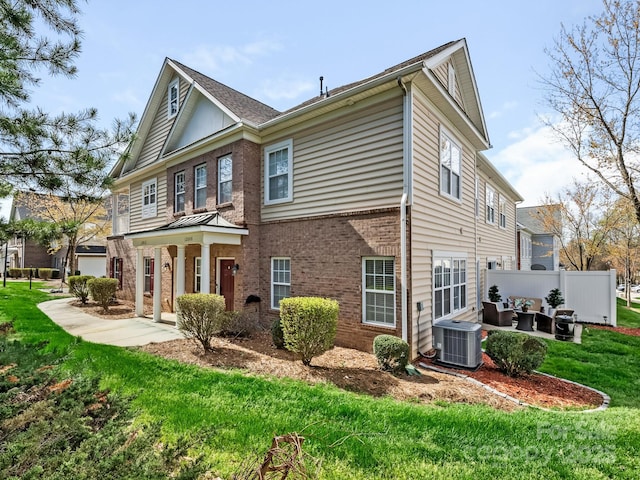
(592, 295)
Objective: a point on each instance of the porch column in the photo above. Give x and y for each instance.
(140, 282)
(157, 284)
(205, 281)
(180, 271)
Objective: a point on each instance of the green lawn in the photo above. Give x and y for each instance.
(227, 417)
(628, 317)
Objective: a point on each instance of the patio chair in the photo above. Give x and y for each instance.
(544, 323)
(494, 315)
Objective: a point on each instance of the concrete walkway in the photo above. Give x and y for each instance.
(128, 332)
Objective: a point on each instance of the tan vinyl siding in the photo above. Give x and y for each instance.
(139, 224)
(495, 243)
(438, 223)
(442, 72)
(347, 165)
(160, 128)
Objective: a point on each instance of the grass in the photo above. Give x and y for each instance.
(628, 316)
(229, 418)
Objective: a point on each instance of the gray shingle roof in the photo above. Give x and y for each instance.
(417, 59)
(242, 105)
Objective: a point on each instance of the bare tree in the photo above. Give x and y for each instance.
(624, 244)
(581, 217)
(594, 85)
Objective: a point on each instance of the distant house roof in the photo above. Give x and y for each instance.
(91, 250)
(528, 217)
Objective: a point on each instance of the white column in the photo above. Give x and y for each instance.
(206, 269)
(157, 283)
(140, 282)
(180, 271)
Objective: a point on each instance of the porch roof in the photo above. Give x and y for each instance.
(201, 228)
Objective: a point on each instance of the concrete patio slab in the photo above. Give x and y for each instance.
(128, 332)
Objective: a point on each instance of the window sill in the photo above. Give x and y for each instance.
(224, 205)
(200, 210)
(179, 214)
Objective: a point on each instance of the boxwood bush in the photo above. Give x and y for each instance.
(103, 291)
(277, 335)
(44, 273)
(79, 288)
(392, 353)
(201, 316)
(515, 353)
(309, 325)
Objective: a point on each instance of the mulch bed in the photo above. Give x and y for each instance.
(535, 389)
(624, 330)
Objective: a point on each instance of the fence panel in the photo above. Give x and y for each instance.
(591, 294)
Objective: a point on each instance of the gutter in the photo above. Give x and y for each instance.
(406, 195)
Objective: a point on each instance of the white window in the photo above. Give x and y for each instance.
(450, 166)
(379, 291)
(280, 280)
(148, 274)
(278, 169)
(200, 195)
(173, 97)
(149, 199)
(197, 272)
(491, 207)
(450, 285)
(225, 176)
(179, 190)
(120, 213)
(502, 209)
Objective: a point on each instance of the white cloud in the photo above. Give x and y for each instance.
(285, 88)
(537, 164)
(213, 58)
(129, 98)
(505, 107)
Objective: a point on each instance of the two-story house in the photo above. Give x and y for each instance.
(538, 247)
(374, 194)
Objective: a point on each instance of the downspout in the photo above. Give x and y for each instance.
(403, 264)
(406, 184)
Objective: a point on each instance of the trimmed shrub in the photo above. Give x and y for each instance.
(277, 334)
(309, 325)
(515, 353)
(78, 287)
(26, 272)
(392, 353)
(44, 273)
(15, 272)
(201, 316)
(103, 291)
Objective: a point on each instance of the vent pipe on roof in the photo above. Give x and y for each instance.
(321, 79)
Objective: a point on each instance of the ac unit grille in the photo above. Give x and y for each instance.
(458, 343)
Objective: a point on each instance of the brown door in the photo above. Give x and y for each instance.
(226, 281)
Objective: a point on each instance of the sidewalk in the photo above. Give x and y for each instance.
(128, 332)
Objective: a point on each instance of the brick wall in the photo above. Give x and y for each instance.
(326, 260)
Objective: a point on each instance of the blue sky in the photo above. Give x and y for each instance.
(275, 51)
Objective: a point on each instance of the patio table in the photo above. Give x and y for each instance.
(525, 321)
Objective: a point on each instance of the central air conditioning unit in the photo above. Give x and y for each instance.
(458, 343)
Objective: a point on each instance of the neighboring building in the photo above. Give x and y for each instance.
(373, 194)
(91, 257)
(538, 249)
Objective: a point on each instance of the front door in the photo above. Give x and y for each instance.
(226, 281)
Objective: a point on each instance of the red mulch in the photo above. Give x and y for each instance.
(624, 330)
(535, 389)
